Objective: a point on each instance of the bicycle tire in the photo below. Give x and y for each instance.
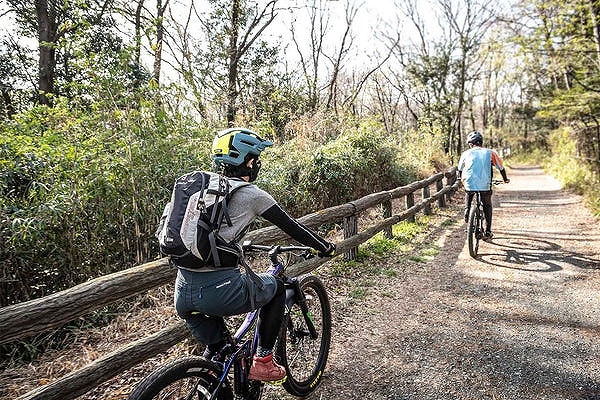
(185, 378)
(305, 358)
(473, 231)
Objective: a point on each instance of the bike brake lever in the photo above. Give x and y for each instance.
(309, 254)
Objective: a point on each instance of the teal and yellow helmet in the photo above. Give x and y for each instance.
(231, 146)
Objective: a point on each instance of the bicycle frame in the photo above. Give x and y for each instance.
(475, 228)
(243, 349)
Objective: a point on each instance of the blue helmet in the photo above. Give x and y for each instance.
(475, 138)
(231, 146)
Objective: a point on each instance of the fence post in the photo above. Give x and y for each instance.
(410, 201)
(426, 195)
(387, 212)
(450, 182)
(350, 229)
(439, 185)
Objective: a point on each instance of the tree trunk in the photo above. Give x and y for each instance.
(47, 39)
(233, 63)
(595, 17)
(311, 63)
(160, 11)
(9, 108)
(138, 31)
(346, 43)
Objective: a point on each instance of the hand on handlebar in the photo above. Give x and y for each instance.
(330, 252)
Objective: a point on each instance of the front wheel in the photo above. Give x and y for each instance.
(303, 356)
(185, 378)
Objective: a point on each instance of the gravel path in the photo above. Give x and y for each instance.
(521, 322)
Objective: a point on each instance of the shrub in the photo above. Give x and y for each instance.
(571, 171)
(359, 161)
(82, 192)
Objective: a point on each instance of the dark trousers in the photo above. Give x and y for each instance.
(486, 199)
(202, 299)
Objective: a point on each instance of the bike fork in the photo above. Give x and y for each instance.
(301, 301)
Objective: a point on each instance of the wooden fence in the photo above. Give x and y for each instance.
(36, 316)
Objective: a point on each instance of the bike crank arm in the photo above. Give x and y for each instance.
(226, 368)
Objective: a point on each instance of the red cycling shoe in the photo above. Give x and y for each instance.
(267, 370)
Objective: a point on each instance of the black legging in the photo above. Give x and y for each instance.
(270, 318)
(486, 199)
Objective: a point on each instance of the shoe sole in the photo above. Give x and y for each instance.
(274, 383)
(277, 383)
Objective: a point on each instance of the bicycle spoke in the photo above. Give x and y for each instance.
(191, 378)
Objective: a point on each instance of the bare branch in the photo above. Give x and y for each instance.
(268, 12)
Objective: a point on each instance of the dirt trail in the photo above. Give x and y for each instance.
(521, 322)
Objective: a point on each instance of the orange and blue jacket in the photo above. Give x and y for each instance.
(475, 168)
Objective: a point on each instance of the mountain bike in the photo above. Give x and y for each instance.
(476, 223)
(302, 346)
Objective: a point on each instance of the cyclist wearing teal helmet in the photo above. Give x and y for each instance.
(475, 170)
(231, 146)
(204, 296)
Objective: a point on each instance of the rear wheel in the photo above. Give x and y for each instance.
(305, 357)
(475, 230)
(185, 378)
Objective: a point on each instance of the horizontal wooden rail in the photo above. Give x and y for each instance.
(38, 315)
(305, 267)
(335, 214)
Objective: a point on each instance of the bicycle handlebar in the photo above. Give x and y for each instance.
(495, 182)
(273, 250)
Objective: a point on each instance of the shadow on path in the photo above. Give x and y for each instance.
(528, 253)
(540, 227)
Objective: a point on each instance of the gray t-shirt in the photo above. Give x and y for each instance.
(247, 203)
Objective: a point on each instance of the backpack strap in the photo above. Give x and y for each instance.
(254, 279)
(213, 249)
(230, 192)
(225, 190)
(221, 191)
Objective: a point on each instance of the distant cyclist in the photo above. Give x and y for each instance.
(203, 296)
(475, 169)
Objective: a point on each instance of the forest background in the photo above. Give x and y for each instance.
(105, 102)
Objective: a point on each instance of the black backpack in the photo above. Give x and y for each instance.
(189, 227)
